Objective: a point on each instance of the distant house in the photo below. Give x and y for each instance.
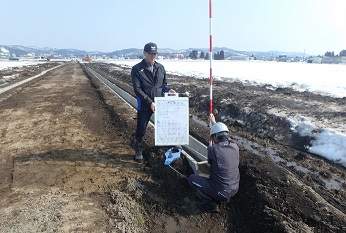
(13, 58)
(317, 59)
(177, 56)
(240, 58)
(87, 58)
(343, 60)
(283, 58)
(332, 60)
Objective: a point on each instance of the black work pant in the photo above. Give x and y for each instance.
(205, 186)
(143, 117)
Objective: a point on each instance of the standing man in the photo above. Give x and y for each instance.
(223, 158)
(149, 81)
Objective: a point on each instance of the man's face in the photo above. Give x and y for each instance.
(150, 57)
(212, 137)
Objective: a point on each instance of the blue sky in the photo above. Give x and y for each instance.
(315, 26)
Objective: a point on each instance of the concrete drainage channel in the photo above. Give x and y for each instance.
(194, 152)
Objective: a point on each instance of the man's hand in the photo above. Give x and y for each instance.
(171, 92)
(212, 119)
(153, 106)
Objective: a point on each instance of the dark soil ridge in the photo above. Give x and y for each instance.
(271, 194)
(15, 74)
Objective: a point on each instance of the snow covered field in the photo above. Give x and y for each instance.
(5, 64)
(327, 79)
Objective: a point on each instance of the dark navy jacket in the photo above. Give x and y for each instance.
(223, 158)
(147, 84)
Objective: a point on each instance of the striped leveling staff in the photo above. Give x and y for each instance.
(211, 63)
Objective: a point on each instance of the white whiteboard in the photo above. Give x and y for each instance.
(171, 121)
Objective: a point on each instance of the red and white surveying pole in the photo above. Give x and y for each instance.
(211, 63)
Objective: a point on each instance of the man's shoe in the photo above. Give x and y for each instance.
(138, 160)
(209, 207)
(138, 156)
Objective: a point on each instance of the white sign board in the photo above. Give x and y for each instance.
(171, 121)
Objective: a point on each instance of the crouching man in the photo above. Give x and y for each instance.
(223, 158)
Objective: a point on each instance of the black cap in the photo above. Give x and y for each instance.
(150, 48)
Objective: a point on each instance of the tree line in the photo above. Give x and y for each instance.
(194, 54)
(331, 54)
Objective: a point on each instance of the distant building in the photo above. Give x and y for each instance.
(332, 60)
(317, 60)
(240, 58)
(283, 58)
(343, 60)
(87, 58)
(13, 58)
(177, 56)
(30, 55)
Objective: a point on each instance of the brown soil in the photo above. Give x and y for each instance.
(66, 160)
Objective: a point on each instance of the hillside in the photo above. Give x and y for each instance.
(18, 50)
